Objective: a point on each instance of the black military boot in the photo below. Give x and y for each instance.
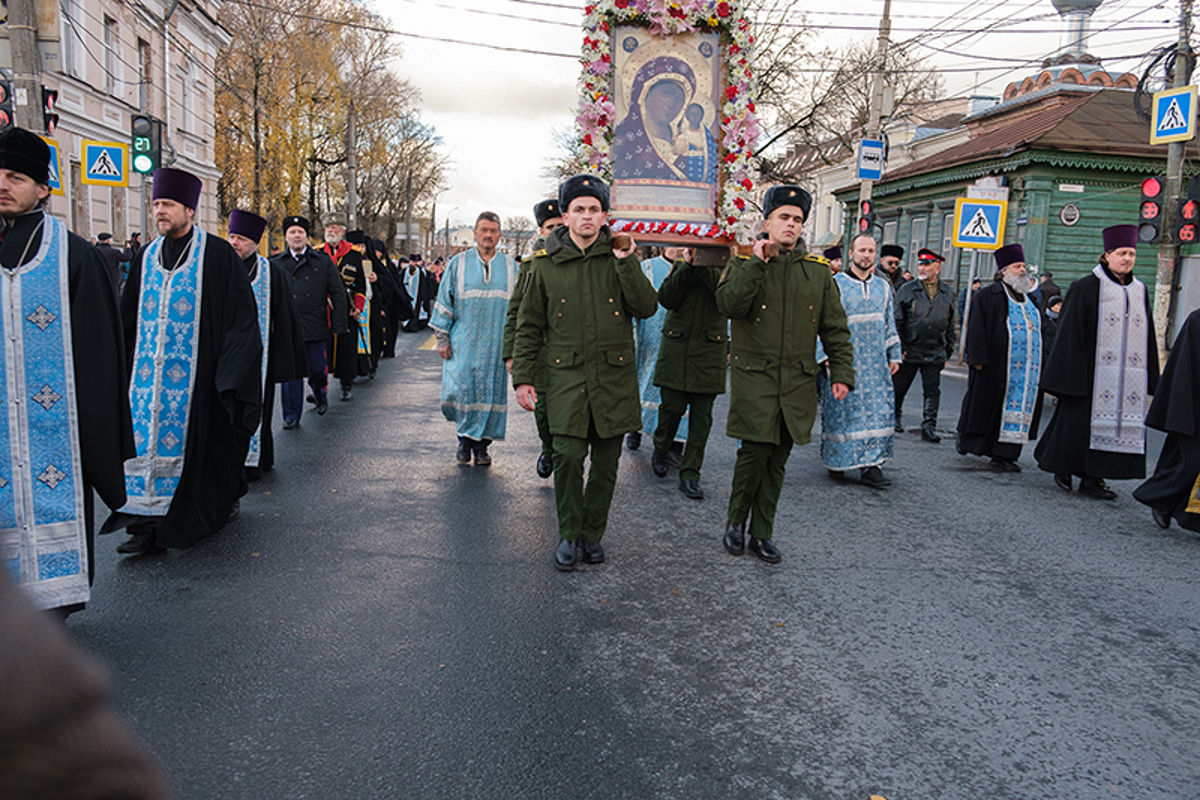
(929, 421)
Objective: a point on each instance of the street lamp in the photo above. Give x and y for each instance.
(446, 254)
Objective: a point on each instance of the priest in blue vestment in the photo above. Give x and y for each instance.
(195, 377)
(858, 432)
(468, 320)
(62, 342)
(647, 337)
(285, 357)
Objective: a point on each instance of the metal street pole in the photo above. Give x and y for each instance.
(27, 73)
(1168, 248)
(351, 171)
(874, 121)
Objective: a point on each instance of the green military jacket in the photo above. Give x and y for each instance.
(692, 356)
(779, 308)
(514, 302)
(576, 320)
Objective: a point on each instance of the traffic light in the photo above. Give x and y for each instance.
(1187, 222)
(6, 105)
(1151, 210)
(866, 216)
(147, 143)
(49, 118)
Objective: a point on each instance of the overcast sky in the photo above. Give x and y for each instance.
(497, 110)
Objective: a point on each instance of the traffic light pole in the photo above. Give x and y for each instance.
(874, 123)
(27, 73)
(1168, 248)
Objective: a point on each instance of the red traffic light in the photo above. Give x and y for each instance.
(1189, 210)
(1151, 187)
(864, 225)
(866, 207)
(1151, 210)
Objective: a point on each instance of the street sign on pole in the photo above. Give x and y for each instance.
(55, 180)
(105, 163)
(979, 223)
(870, 159)
(1173, 115)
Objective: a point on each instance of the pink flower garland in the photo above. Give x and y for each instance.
(739, 124)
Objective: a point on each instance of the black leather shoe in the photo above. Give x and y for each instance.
(291, 424)
(658, 463)
(591, 552)
(837, 474)
(322, 407)
(675, 454)
(463, 456)
(633, 440)
(873, 477)
(482, 457)
(1063, 482)
(234, 512)
(930, 435)
(345, 392)
(735, 538)
(139, 544)
(691, 488)
(545, 466)
(899, 428)
(1096, 488)
(765, 550)
(566, 555)
(1005, 465)
(311, 400)
(1161, 518)
(962, 451)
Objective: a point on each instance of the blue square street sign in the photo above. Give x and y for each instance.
(1173, 115)
(979, 223)
(105, 163)
(55, 181)
(870, 160)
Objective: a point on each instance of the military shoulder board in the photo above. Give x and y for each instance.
(816, 259)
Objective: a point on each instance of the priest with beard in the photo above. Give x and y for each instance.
(284, 355)
(195, 379)
(1103, 366)
(66, 428)
(1004, 353)
(1173, 491)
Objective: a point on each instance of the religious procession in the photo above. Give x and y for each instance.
(672, 279)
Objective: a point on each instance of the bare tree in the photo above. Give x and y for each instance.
(518, 235)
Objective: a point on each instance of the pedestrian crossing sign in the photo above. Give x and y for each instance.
(105, 163)
(1174, 115)
(979, 223)
(55, 181)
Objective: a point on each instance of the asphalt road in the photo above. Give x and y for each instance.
(382, 623)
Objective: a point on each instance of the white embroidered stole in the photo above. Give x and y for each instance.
(164, 375)
(1119, 383)
(43, 537)
(261, 286)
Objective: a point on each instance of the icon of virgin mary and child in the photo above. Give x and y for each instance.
(663, 137)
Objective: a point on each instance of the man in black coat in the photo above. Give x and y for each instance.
(1003, 351)
(889, 264)
(319, 297)
(113, 257)
(928, 329)
(1173, 490)
(1098, 433)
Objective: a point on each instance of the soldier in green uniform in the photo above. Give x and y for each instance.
(575, 319)
(779, 306)
(548, 218)
(690, 371)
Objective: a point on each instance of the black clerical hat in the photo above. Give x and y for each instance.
(893, 250)
(178, 185)
(1009, 254)
(583, 186)
(243, 223)
(26, 153)
(786, 194)
(833, 252)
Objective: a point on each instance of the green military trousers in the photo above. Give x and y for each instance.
(584, 511)
(671, 408)
(758, 482)
(541, 417)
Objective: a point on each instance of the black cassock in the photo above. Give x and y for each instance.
(983, 405)
(227, 399)
(101, 390)
(345, 362)
(427, 290)
(286, 357)
(1065, 447)
(1176, 411)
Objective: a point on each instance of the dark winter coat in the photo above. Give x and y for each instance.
(928, 328)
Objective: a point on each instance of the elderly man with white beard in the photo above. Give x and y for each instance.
(1004, 351)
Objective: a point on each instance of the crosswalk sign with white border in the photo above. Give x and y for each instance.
(55, 180)
(105, 163)
(1173, 115)
(979, 223)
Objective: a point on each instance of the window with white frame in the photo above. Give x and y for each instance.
(890, 231)
(74, 55)
(112, 57)
(917, 233)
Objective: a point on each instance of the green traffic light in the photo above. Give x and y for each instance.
(143, 163)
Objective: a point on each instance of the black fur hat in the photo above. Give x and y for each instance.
(786, 194)
(583, 186)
